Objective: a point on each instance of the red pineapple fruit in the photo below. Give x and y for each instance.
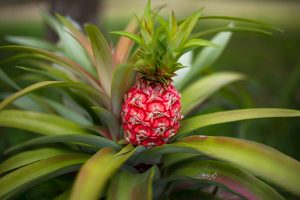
(151, 108)
(151, 113)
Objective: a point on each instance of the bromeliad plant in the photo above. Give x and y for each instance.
(115, 116)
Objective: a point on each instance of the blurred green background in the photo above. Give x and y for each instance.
(272, 64)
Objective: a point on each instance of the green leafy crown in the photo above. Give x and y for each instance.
(162, 42)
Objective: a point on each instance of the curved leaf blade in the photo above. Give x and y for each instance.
(137, 39)
(194, 123)
(232, 29)
(206, 58)
(102, 55)
(32, 174)
(94, 175)
(124, 44)
(66, 62)
(28, 157)
(77, 34)
(68, 113)
(31, 41)
(238, 19)
(64, 196)
(93, 140)
(110, 120)
(44, 84)
(237, 180)
(123, 79)
(199, 91)
(138, 186)
(256, 158)
(41, 123)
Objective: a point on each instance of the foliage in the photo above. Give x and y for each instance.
(70, 96)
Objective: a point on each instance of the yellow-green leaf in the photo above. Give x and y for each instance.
(94, 175)
(194, 123)
(256, 158)
(41, 123)
(30, 175)
(199, 91)
(27, 157)
(138, 186)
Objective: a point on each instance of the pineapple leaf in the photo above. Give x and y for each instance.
(102, 56)
(41, 123)
(64, 196)
(36, 86)
(231, 29)
(68, 43)
(229, 18)
(32, 174)
(195, 43)
(235, 179)
(96, 142)
(194, 123)
(256, 158)
(95, 173)
(206, 58)
(138, 185)
(47, 55)
(6, 79)
(199, 91)
(46, 74)
(137, 39)
(123, 78)
(28, 157)
(110, 120)
(185, 28)
(125, 44)
(68, 113)
(77, 34)
(31, 41)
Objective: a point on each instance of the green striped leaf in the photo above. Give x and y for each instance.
(6, 79)
(77, 34)
(44, 84)
(110, 120)
(138, 186)
(96, 141)
(256, 158)
(232, 29)
(123, 79)
(137, 39)
(64, 196)
(238, 19)
(41, 123)
(93, 176)
(31, 41)
(235, 179)
(199, 91)
(195, 43)
(71, 47)
(68, 113)
(124, 44)
(32, 174)
(206, 58)
(194, 123)
(28, 157)
(49, 56)
(102, 56)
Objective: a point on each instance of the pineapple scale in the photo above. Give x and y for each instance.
(151, 113)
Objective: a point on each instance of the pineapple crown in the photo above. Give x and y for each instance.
(162, 42)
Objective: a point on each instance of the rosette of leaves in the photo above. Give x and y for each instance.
(71, 96)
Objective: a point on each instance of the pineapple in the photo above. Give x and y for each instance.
(101, 95)
(151, 108)
(151, 113)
